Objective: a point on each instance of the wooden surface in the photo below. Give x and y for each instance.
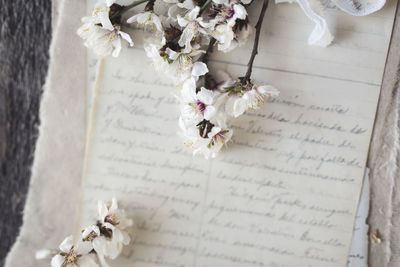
(25, 31)
(384, 162)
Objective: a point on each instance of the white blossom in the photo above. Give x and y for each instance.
(197, 105)
(250, 98)
(102, 41)
(239, 12)
(112, 225)
(100, 14)
(178, 66)
(228, 39)
(224, 34)
(160, 63)
(90, 233)
(183, 65)
(218, 138)
(109, 213)
(186, 4)
(231, 11)
(193, 25)
(74, 255)
(208, 145)
(147, 19)
(99, 33)
(111, 246)
(104, 239)
(178, 9)
(182, 34)
(199, 69)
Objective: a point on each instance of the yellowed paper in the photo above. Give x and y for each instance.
(286, 191)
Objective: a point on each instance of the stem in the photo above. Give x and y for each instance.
(246, 78)
(150, 6)
(126, 8)
(136, 3)
(205, 6)
(210, 49)
(205, 59)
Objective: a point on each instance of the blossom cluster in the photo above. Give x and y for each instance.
(185, 32)
(104, 239)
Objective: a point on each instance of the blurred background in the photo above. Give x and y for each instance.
(25, 33)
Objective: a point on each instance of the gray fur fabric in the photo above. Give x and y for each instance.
(25, 32)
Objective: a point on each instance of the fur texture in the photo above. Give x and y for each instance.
(56, 173)
(25, 32)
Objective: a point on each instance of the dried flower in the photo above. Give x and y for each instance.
(197, 105)
(111, 226)
(243, 97)
(205, 138)
(100, 34)
(184, 34)
(72, 255)
(148, 19)
(99, 241)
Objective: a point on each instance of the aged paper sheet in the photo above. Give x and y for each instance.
(286, 191)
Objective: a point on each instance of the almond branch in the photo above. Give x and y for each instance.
(247, 77)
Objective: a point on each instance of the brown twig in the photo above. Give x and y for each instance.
(126, 8)
(247, 77)
(205, 6)
(150, 5)
(210, 49)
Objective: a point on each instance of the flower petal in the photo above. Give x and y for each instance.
(90, 229)
(240, 11)
(240, 106)
(105, 21)
(157, 22)
(117, 47)
(67, 244)
(57, 261)
(83, 247)
(206, 96)
(102, 260)
(192, 15)
(126, 37)
(102, 209)
(188, 91)
(268, 90)
(99, 245)
(199, 69)
(210, 112)
(110, 2)
(133, 19)
(88, 261)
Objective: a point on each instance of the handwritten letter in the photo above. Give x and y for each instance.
(285, 193)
